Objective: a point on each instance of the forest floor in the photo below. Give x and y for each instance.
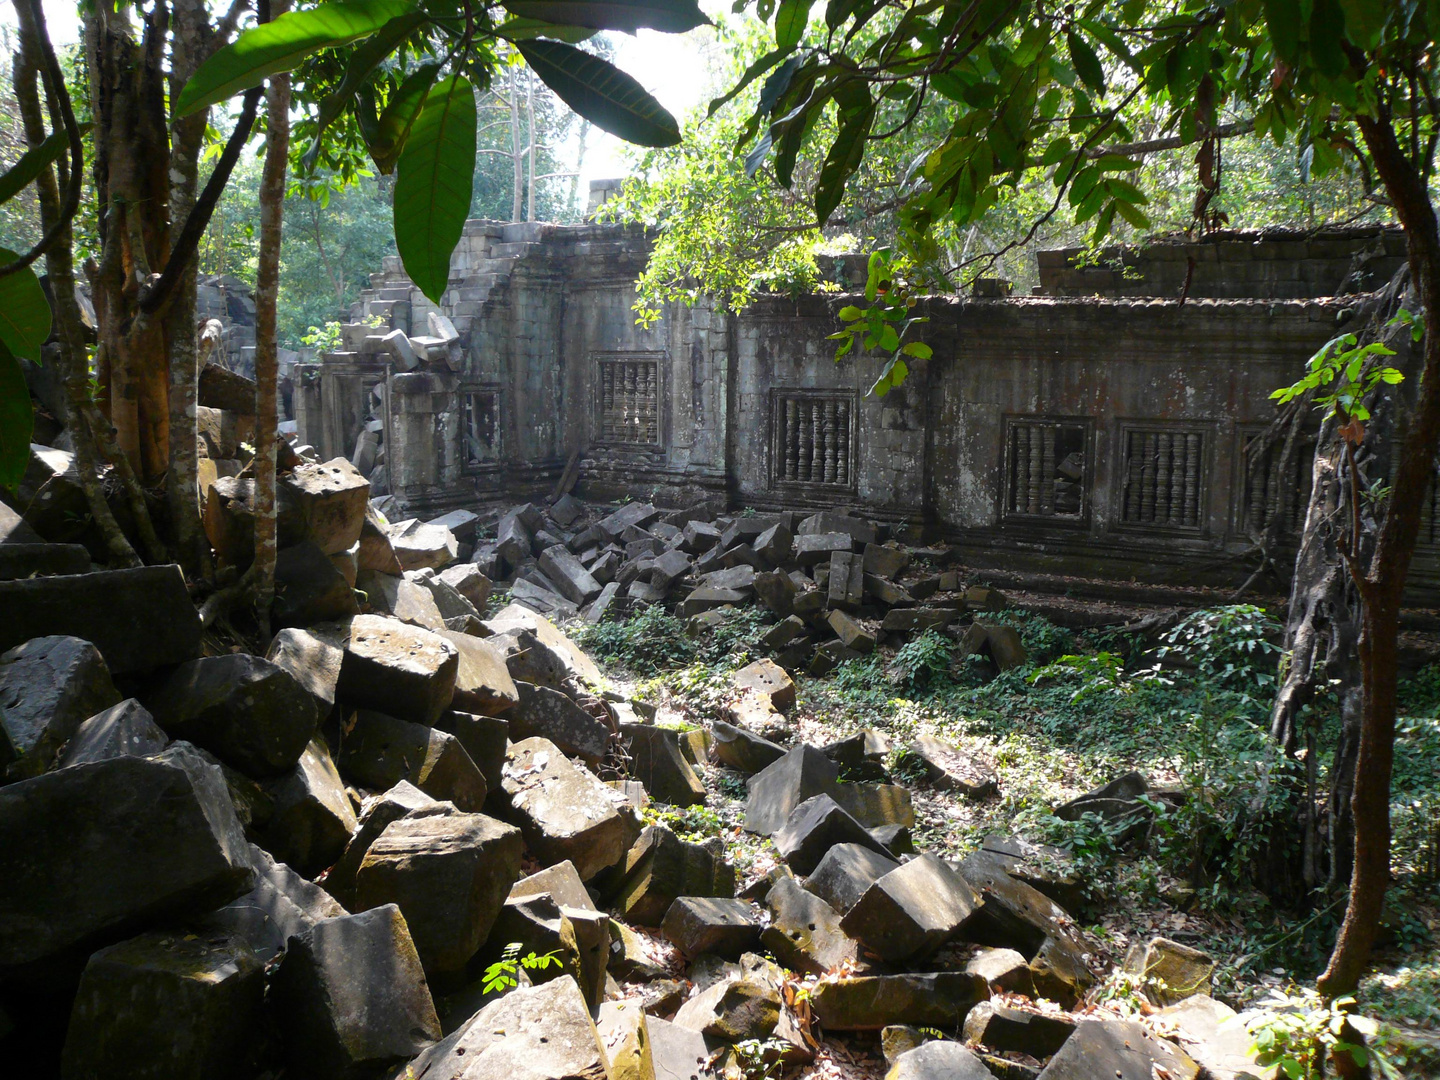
(1087, 706)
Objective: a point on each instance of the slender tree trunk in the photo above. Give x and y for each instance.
(530, 152)
(517, 205)
(575, 204)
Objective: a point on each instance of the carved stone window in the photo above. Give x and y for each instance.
(628, 391)
(479, 427)
(814, 439)
(1046, 469)
(1266, 493)
(1164, 477)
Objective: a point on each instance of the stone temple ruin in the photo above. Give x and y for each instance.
(1100, 426)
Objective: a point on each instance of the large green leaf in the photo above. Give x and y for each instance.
(840, 164)
(400, 112)
(24, 311)
(280, 45)
(753, 72)
(790, 23)
(1327, 34)
(601, 93)
(1285, 23)
(1087, 64)
(32, 161)
(17, 420)
(524, 29)
(672, 16)
(433, 184)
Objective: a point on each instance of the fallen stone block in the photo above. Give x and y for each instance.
(379, 751)
(917, 620)
(703, 924)
(91, 854)
(1122, 1049)
(950, 769)
(979, 597)
(877, 806)
(595, 612)
(1003, 1028)
(845, 587)
(470, 582)
(1003, 969)
(1170, 972)
(251, 714)
(376, 552)
(698, 537)
(896, 839)
(463, 523)
(281, 905)
(49, 497)
(513, 542)
(776, 590)
(678, 1053)
(449, 873)
(139, 619)
(706, 598)
(577, 664)
(657, 762)
(939, 1059)
(39, 559)
(351, 998)
(631, 515)
(845, 872)
(564, 811)
(167, 1004)
(804, 932)
(660, 867)
(400, 599)
(229, 519)
(1210, 1033)
(775, 544)
(561, 881)
(853, 635)
(484, 738)
(331, 500)
(774, 793)
(421, 546)
(312, 662)
(574, 581)
(871, 1002)
(827, 522)
(813, 828)
(885, 561)
(912, 910)
(378, 813)
(739, 578)
(454, 608)
(783, 633)
(1051, 870)
(1000, 643)
(398, 669)
(733, 1009)
(49, 686)
(482, 682)
(548, 714)
(309, 588)
(886, 593)
(311, 819)
(124, 730)
(625, 1033)
(768, 679)
(743, 750)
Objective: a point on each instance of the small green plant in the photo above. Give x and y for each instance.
(1298, 1032)
(884, 324)
(1096, 673)
(922, 662)
(760, 1059)
(1231, 648)
(502, 974)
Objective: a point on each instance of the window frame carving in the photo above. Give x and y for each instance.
(497, 397)
(600, 362)
(1204, 464)
(1013, 423)
(780, 480)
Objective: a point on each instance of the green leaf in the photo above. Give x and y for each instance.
(363, 61)
(399, 115)
(850, 313)
(1283, 19)
(17, 419)
(1327, 31)
(671, 16)
(525, 29)
(24, 311)
(889, 339)
(281, 45)
(790, 23)
(1365, 21)
(433, 185)
(601, 93)
(917, 349)
(753, 72)
(1131, 213)
(32, 162)
(844, 158)
(1087, 64)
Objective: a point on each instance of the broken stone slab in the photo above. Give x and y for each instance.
(378, 813)
(251, 714)
(470, 582)
(19, 561)
(978, 597)
(48, 499)
(742, 749)
(595, 612)
(422, 546)
(311, 818)
(912, 910)
(860, 756)
(733, 1009)
(678, 1053)
(1117, 802)
(351, 997)
(739, 579)
(376, 552)
(482, 682)
(229, 519)
(775, 545)
(871, 1002)
(1213, 1035)
(379, 751)
(826, 522)
(567, 510)
(534, 1032)
(698, 537)
(774, 793)
(400, 599)
(309, 588)
(853, 635)
(846, 872)
(706, 924)
(783, 633)
(564, 811)
(398, 669)
(577, 664)
(896, 839)
(885, 561)
(139, 619)
(829, 655)
(660, 867)
(1122, 1049)
(657, 762)
(331, 499)
(313, 662)
(813, 828)
(950, 769)
(561, 881)
(89, 855)
(886, 592)
(625, 1034)
(484, 738)
(939, 1059)
(167, 1003)
(124, 730)
(548, 714)
(768, 679)
(1000, 643)
(917, 620)
(804, 931)
(776, 590)
(845, 586)
(463, 523)
(449, 873)
(573, 580)
(49, 687)
(631, 515)
(1170, 972)
(706, 598)
(281, 905)
(453, 607)
(669, 568)
(1004, 1028)
(1003, 969)
(753, 712)
(514, 543)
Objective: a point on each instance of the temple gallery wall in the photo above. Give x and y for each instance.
(1094, 429)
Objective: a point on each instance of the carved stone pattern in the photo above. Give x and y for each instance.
(1269, 494)
(813, 440)
(1162, 478)
(1034, 457)
(630, 401)
(480, 426)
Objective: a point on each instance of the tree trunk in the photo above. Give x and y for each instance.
(530, 151)
(517, 205)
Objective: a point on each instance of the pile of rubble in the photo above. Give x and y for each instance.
(410, 840)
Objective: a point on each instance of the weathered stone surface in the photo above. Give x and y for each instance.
(376, 815)
(402, 599)
(774, 793)
(912, 910)
(92, 853)
(846, 871)
(376, 551)
(814, 548)
(379, 751)
(660, 867)
(484, 738)
(124, 730)
(631, 515)
(776, 591)
(312, 661)
(804, 931)
(351, 997)
(48, 687)
(877, 806)
(229, 519)
(167, 1004)
(470, 582)
(420, 546)
(248, 712)
(221, 388)
(449, 873)
(845, 586)
(707, 598)
(1122, 1049)
(678, 1053)
(1001, 1027)
(900, 1039)
(561, 881)
(852, 634)
(1214, 1036)
(939, 1059)
(625, 1034)
(703, 924)
(827, 522)
(733, 1009)
(331, 499)
(1000, 643)
(1003, 969)
(950, 769)
(514, 542)
(886, 593)
(579, 938)
(885, 561)
(457, 611)
(872, 1002)
(743, 750)
(813, 828)
(542, 712)
(753, 712)
(309, 588)
(311, 819)
(281, 905)
(699, 536)
(775, 544)
(768, 679)
(574, 581)
(532, 1033)
(564, 811)
(657, 762)
(577, 664)
(398, 669)
(1049, 869)
(1171, 971)
(38, 559)
(1113, 801)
